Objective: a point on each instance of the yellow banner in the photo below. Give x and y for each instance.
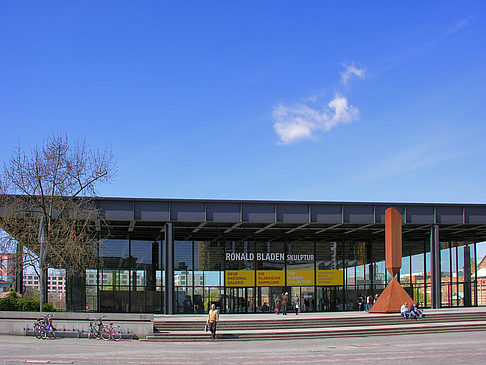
(271, 278)
(329, 277)
(300, 277)
(240, 278)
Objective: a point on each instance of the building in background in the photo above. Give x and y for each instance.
(7, 271)
(56, 283)
(56, 288)
(481, 288)
(180, 256)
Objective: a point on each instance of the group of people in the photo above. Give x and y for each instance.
(366, 302)
(282, 304)
(281, 307)
(411, 312)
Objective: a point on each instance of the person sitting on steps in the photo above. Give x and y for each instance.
(404, 311)
(417, 313)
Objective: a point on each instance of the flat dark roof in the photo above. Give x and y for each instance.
(206, 219)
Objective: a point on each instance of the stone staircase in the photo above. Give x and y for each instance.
(316, 325)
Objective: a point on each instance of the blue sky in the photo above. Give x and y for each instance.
(331, 101)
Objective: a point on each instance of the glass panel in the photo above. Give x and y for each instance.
(456, 296)
(445, 266)
(418, 276)
(307, 299)
(198, 299)
(445, 263)
(91, 277)
(350, 276)
(419, 294)
(183, 299)
(140, 280)
(446, 294)
(213, 278)
(114, 253)
(266, 261)
(183, 255)
(418, 279)
(198, 278)
(215, 295)
(141, 252)
(379, 271)
(240, 300)
(360, 277)
(405, 278)
(209, 255)
(329, 256)
(183, 282)
(428, 297)
(183, 278)
(91, 298)
(239, 255)
(300, 256)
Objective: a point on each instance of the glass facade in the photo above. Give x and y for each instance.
(128, 278)
(249, 276)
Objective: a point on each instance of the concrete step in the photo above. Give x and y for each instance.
(289, 321)
(407, 327)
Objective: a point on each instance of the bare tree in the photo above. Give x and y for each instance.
(51, 189)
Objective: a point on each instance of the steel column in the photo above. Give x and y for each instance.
(19, 269)
(436, 289)
(467, 276)
(169, 269)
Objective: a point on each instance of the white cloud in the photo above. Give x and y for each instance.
(301, 121)
(294, 123)
(350, 71)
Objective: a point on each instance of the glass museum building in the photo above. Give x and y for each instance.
(180, 256)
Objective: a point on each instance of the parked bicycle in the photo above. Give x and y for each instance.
(95, 328)
(106, 332)
(43, 327)
(112, 331)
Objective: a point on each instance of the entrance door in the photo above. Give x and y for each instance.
(266, 298)
(240, 300)
(328, 299)
(306, 298)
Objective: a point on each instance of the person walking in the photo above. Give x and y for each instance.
(285, 302)
(369, 302)
(277, 305)
(360, 302)
(213, 318)
(296, 304)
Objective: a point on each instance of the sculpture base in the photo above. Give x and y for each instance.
(391, 299)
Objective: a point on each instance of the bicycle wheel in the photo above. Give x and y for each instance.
(37, 330)
(105, 333)
(43, 332)
(116, 333)
(91, 332)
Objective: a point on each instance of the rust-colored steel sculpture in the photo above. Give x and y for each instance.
(392, 298)
(393, 240)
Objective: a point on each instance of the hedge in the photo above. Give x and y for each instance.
(12, 303)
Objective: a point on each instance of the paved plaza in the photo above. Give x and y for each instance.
(443, 348)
